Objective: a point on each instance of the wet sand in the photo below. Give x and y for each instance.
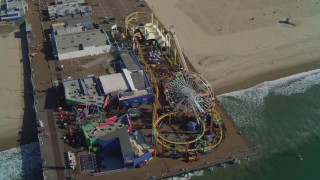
(11, 88)
(237, 44)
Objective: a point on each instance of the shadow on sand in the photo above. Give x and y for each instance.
(28, 133)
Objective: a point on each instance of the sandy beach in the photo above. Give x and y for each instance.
(236, 44)
(11, 88)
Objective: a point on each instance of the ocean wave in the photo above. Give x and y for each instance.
(278, 114)
(294, 84)
(254, 98)
(21, 163)
(188, 175)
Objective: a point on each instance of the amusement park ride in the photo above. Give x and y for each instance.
(82, 114)
(87, 113)
(189, 94)
(192, 125)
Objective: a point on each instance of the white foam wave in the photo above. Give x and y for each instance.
(246, 107)
(297, 83)
(188, 176)
(21, 163)
(253, 98)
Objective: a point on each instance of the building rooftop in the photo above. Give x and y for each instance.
(113, 83)
(62, 30)
(28, 27)
(129, 62)
(70, 1)
(80, 40)
(128, 95)
(66, 9)
(84, 22)
(138, 80)
(96, 132)
(130, 84)
(83, 90)
(14, 5)
(124, 140)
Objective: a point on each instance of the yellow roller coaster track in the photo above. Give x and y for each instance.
(156, 133)
(134, 17)
(194, 149)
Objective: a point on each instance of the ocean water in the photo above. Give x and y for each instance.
(21, 163)
(281, 119)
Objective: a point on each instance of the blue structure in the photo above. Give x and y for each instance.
(131, 87)
(130, 62)
(118, 141)
(142, 159)
(191, 126)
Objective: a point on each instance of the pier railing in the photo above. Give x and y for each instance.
(109, 172)
(205, 165)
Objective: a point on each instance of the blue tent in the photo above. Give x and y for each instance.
(191, 126)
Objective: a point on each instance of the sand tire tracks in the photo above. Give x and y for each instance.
(226, 22)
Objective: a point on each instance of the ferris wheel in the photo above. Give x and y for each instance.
(188, 91)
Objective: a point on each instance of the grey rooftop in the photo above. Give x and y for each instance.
(73, 42)
(97, 132)
(83, 91)
(124, 140)
(129, 63)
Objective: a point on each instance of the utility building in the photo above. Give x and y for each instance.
(131, 86)
(77, 41)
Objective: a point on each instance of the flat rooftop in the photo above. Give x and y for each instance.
(14, 5)
(114, 83)
(85, 22)
(83, 90)
(73, 42)
(138, 80)
(129, 62)
(68, 9)
(62, 30)
(130, 84)
(96, 132)
(70, 1)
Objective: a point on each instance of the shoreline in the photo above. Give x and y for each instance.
(234, 52)
(269, 76)
(235, 86)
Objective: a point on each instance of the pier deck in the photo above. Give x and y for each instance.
(44, 73)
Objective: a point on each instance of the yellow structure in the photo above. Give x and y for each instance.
(152, 28)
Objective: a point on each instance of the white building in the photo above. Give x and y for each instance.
(69, 9)
(13, 9)
(77, 41)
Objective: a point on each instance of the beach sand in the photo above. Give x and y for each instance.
(11, 88)
(236, 44)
